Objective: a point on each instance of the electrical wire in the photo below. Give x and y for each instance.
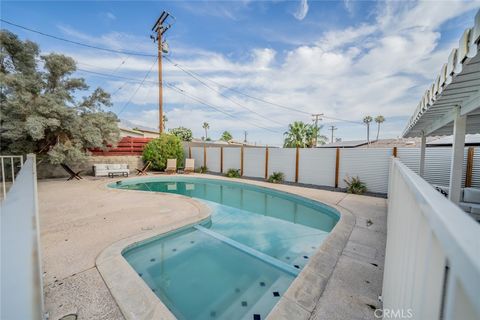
(191, 73)
(195, 75)
(173, 87)
(132, 53)
(138, 88)
(229, 98)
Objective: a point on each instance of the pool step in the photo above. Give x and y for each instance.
(257, 254)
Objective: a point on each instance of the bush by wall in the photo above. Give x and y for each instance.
(165, 147)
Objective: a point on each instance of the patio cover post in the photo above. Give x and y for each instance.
(423, 145)
(456, 170)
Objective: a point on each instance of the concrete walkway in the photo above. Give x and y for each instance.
(81, 218)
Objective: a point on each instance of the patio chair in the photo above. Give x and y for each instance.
(189, 165)
(143, 171)
(73, 174)
(171, 166)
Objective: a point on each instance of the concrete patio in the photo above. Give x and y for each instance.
(79, 219)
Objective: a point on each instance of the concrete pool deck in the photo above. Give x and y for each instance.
(79, 219)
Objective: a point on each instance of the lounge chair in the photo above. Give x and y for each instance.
(73, 174)
(143, 171)
(171, 166)
(189, 165)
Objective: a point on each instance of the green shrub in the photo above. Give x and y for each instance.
(165, 147)
(202, 169)
(233, 173)
(354, 185)
(276, 177)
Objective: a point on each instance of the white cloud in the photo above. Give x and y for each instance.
(382, 67)
(302, 10)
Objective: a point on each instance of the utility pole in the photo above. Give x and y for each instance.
(332, 128)
(245, 136)
(316, 117)
(159, 28)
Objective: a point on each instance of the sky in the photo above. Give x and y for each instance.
(345, 59)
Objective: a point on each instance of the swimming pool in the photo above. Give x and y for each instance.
(238, 265)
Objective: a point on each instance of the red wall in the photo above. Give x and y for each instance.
(127, 146)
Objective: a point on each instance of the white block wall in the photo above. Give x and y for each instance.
(317, 166)
(254, 162)
(213, 159)
(231, 158)
(371, 165)
(197, 154)
(282, 160)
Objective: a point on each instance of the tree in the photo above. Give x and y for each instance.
(182, 133)
(302, 135)
(367, 121)
(226, 136)
(41, 112)
(206, 126)
(167, 146)
(379, 120)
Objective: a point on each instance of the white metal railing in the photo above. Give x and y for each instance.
(13, 161)
(432, 261)
(20, 273)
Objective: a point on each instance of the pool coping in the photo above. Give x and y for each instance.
(137, 301)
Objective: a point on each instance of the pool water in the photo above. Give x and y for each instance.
(239, 264)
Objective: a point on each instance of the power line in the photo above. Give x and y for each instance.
(192, 74)
(133, 53)
(181, 91)
(173, 87)
(227, 97)
(138, 88)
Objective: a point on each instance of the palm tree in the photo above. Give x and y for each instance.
(313, 136)
(226, 136)
(296, 136)
(379, 120)
(367, 121)
(206, 126)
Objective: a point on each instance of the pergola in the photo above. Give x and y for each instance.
(451, 105)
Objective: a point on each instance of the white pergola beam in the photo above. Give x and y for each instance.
(441, 122)
(456, 170)
(472, 104)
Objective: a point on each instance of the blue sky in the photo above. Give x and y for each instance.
(346, 59)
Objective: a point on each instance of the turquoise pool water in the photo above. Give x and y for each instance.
(239, 264)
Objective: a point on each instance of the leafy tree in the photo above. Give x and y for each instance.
(303, 135)
(182, 133)
(41, 112)
(367, 121)
(226, 136)
(206, 126)
(379, 120)
(167, 146)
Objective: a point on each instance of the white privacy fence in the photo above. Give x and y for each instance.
(21, 276)
(329, 167)
(432, 261)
